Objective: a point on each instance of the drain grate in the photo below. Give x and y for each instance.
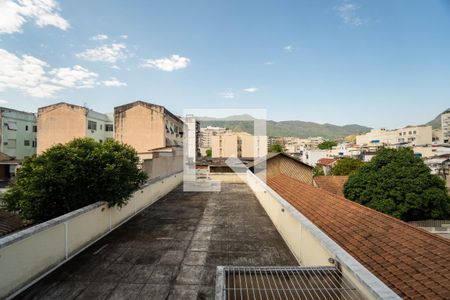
(290, 283)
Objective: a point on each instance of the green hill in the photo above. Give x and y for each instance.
(436, 122)
(289, 128)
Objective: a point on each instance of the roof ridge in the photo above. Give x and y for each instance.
(400, 222)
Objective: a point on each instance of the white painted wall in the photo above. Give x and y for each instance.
(30, 254)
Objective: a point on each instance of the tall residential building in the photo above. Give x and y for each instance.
(17, 133)
(413, 135)
(17, 139)
(147, 126)
(240, 144)
(62, 122)
(445, 124)
(207, 132)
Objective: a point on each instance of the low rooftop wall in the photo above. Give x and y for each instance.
(311, 246)
(30, 254)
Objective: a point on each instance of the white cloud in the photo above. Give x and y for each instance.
(348, 12)
(115, 67)
(76, 77)
(15, 13)
(124, 36)
(3, 101)
(268, 63)
(99, 37)
(106, 53)
(288, 48)
(228, 95)
(36, 78)
(168, 64)
(114, 82)
(251, 90)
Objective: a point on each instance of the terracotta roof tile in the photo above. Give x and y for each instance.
(332, 184)
(413, 262)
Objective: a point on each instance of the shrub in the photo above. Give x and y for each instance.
(70, 176)
(347, 166)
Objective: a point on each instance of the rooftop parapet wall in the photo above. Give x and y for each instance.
(30, 254)
(311, 246)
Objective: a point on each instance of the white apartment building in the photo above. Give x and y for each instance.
(413, 135)
(445, 124)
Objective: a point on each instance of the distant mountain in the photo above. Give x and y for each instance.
(436, 122)
(288, 128)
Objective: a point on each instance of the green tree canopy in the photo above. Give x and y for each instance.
(398, 183)
(347, 166)
(318, 171)
(70, 176)
(276, 148)
(208, 152)
(327, 145)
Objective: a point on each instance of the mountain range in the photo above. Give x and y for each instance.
(287, 128)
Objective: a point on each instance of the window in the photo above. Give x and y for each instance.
(34, 128)
(109, 127)
(11, 144)
(34, 144)
(101, 126)
(26, 127)
(26, 143)
(414, 132)
(11, 125)
(92, 125)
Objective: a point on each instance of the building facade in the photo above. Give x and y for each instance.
(17, 133)
(146, 126)
(445, 124)
(239, 144)
(62, 122)
(412, 135)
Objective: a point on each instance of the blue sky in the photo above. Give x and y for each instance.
(375, 63)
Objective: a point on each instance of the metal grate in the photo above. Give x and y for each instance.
(287, 283)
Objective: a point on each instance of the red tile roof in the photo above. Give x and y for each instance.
(326, 161)
(413, 262)
(332, 184)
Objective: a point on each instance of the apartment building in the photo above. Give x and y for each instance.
(413, 135)
(17, 133)
(207, 132)
(17, 139)
(239, 144)
(147, 126)
(62, 122)
(445, 124)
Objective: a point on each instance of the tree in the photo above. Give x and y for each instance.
(325, 145)
(209, 153)
(276, 148)
(398, 183)
(347, 166)
(318, 171)
(70, 176)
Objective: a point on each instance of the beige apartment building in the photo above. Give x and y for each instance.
(147, 126)
(62, 122)
(413, 135)
(239, 144)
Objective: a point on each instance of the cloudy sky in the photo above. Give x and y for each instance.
(376, 63)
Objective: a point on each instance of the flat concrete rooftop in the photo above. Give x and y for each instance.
(171, 250)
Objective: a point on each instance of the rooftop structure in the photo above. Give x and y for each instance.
(62, 122)
(332, 184)
(238, 144)
(146, 126)
(411, 261)
(171, 250)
